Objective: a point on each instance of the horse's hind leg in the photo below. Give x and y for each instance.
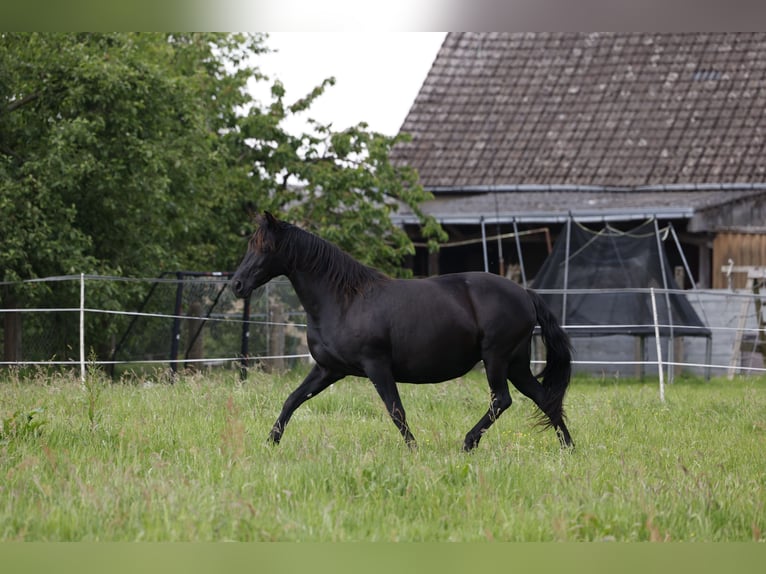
(523, 379)
(500, 400)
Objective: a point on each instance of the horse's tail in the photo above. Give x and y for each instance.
(558, 364)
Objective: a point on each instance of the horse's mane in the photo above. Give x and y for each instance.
(308, 252)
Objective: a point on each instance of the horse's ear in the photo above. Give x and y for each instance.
(270, 219)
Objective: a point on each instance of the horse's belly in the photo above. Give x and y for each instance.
(436, 358)
(436, 373)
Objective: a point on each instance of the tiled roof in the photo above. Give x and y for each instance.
(607, 109)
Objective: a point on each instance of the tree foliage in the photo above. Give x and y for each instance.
(340, 185)
(136, 153)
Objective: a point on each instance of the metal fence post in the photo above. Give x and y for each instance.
(176, 335)
(82, 327)
(659, 346)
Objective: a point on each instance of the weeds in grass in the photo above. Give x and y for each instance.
(22, 424)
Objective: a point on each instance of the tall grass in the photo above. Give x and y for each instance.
(189, 461)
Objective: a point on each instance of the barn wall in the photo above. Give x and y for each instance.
(747, 212)
(741, 247)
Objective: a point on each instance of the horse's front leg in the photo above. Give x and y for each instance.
(315, 382)
(383, 380)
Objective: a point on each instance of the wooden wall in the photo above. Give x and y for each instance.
(744, 248)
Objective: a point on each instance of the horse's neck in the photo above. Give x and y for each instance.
(317, 297)
(328, 281)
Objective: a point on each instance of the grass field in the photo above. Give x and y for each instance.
(189, 462)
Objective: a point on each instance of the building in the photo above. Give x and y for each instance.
(516, 132)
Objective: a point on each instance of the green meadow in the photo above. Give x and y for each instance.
(138, 460)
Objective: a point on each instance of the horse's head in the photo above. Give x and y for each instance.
(261, 262)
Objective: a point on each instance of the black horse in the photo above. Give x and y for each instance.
(364, 323)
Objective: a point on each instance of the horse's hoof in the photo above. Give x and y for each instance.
(274, 438)
(469, 445)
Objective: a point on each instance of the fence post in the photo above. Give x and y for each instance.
(518, 253)
(176, 337)
(659, 346)
(484, 245)
(566, 272)
(82, 327)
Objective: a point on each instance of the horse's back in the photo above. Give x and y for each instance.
(491, 294)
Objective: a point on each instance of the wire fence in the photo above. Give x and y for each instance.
(187, 320)
(191, 320)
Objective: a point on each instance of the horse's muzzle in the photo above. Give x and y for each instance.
(238, 288)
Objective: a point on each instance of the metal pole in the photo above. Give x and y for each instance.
(659, 346)
(484, 244)
(566, 273)
(518, 251)
(82, 327)
(660, 254)
(688, 271)
(683, 257)
(176, 334)
(500, 256)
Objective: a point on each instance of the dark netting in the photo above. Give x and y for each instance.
(191, 318)
(613, 259)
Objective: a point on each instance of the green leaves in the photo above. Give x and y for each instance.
(135, 153)
(146, 146)
(340, 185)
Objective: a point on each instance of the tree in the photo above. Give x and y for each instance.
(132, 154)
(101, 142)
(340, 185)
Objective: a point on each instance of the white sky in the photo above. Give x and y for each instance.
(378, 74)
